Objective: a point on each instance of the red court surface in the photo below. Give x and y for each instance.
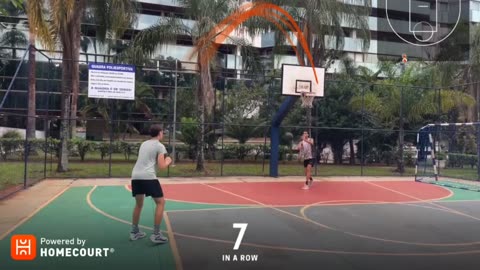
(291, 194)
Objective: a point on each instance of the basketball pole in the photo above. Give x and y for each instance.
(275, 133)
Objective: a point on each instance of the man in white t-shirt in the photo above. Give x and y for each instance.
(306, 149)
(151, 156)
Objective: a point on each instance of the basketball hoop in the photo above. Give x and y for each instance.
(307, 100)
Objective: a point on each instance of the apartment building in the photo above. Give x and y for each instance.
(394, 25)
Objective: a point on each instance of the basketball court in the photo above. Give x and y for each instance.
(361, 223)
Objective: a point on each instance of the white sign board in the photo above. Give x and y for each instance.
(111, 81)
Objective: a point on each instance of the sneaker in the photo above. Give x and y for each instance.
(138, 235)
(306, 186)
(158, 238)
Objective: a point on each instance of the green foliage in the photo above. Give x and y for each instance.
(243, 151)
(242, 100)
(440, 156)
(18, 4)
(129, 149)
(333, 111)
(409, 159)
(387, 102)
(241, 110)
(12, 134)
(188, 131)
(461, 160)
(83, 147)
(9, 146)
(243, 129)
(466, 140)
(104, 148)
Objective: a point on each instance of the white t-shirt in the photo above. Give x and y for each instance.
(147, 163)
(306, 151)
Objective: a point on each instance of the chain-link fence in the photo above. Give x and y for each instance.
(360, 127)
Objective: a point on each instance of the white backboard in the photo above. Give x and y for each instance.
(300, 79)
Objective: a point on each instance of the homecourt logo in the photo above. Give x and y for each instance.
(23, 247)
(26, 247)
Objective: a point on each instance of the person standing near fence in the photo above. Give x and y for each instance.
(151, 155)
(305, 153)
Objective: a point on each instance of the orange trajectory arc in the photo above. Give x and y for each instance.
(271, 12)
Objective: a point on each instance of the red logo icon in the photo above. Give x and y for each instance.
(23, 247)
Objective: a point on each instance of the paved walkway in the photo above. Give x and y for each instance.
(14, 210)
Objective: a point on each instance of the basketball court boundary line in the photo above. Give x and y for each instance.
(96, 209)
(28, 217)
(308, 220)
(212, 209)
(420, 254)
(267, 206)
(360, 202)
(412, 204)
(173, 243)
(429, 202)
(127, 187)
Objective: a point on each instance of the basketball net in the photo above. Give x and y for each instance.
(307, 100)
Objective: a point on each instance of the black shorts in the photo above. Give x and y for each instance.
(147, 187)
(307, 162)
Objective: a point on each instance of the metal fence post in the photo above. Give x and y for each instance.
(47, 122)
(111, 138)
(362, 154)
(223, 126)
(478, 152)
(174, 113)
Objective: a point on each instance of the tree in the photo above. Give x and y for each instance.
(58, 22)
(206, 14)
(458, 63)
(13, 38)
(396, 105)
(323, 24)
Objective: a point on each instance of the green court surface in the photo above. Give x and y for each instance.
(101, 216)
(71, 216)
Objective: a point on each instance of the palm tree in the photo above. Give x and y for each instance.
(32, 84)
(396, 105)
(453, 70)
(470, 73)
(243, 129)
(59, 23)
(13, 38)
(323, 24)
(206, 14)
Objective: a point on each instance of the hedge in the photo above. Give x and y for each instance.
(80, 147)
(461, 160)
(77, 147)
